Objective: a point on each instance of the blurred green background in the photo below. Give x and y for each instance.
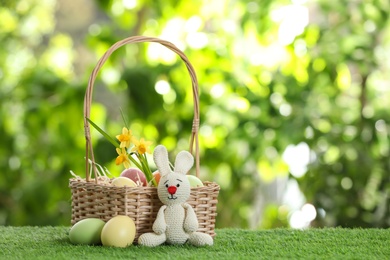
(295, 103)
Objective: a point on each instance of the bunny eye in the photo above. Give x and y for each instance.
(166, 185)
(178, 185)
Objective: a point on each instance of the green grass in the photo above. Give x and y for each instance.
(330, 243)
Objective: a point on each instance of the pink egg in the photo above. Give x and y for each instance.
(135, 175)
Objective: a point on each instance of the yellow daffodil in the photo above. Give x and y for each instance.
(141, 146)
(122, 158)
(138, 151)
(125, 138)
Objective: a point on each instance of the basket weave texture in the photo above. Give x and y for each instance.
(94, 197)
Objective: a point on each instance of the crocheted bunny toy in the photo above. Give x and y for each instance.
(176, 222)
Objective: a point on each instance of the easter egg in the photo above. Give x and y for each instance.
(135, 175)
(87, 231)
(194, 181)
(122, 182)
(119, 231)
(157, 176)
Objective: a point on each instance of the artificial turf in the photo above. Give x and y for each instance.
(328, 243)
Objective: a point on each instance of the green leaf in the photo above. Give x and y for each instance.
(109, 138)
(123, 118)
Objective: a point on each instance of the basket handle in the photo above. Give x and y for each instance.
(194, 141)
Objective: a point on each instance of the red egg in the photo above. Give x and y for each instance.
(135, 175)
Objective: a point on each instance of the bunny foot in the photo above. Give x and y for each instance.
(200, 239)
(151, 239)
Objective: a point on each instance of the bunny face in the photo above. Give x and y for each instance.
(174, 187)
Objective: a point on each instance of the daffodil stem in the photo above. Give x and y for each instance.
(150, 172)
(146, 169)
(139, 166)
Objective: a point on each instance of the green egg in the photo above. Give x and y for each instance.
(86, 231)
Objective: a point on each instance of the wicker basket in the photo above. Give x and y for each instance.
(96, 198)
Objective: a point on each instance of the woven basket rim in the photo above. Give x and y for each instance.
(207, 184)
(194, 140)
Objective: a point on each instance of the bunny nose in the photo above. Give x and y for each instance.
(172, 190)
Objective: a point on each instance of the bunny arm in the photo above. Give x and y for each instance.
(191, 221)
(159, 225)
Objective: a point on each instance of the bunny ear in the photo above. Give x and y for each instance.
(160, 157)
(184, 162)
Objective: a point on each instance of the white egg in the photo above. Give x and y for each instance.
(123, 181)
